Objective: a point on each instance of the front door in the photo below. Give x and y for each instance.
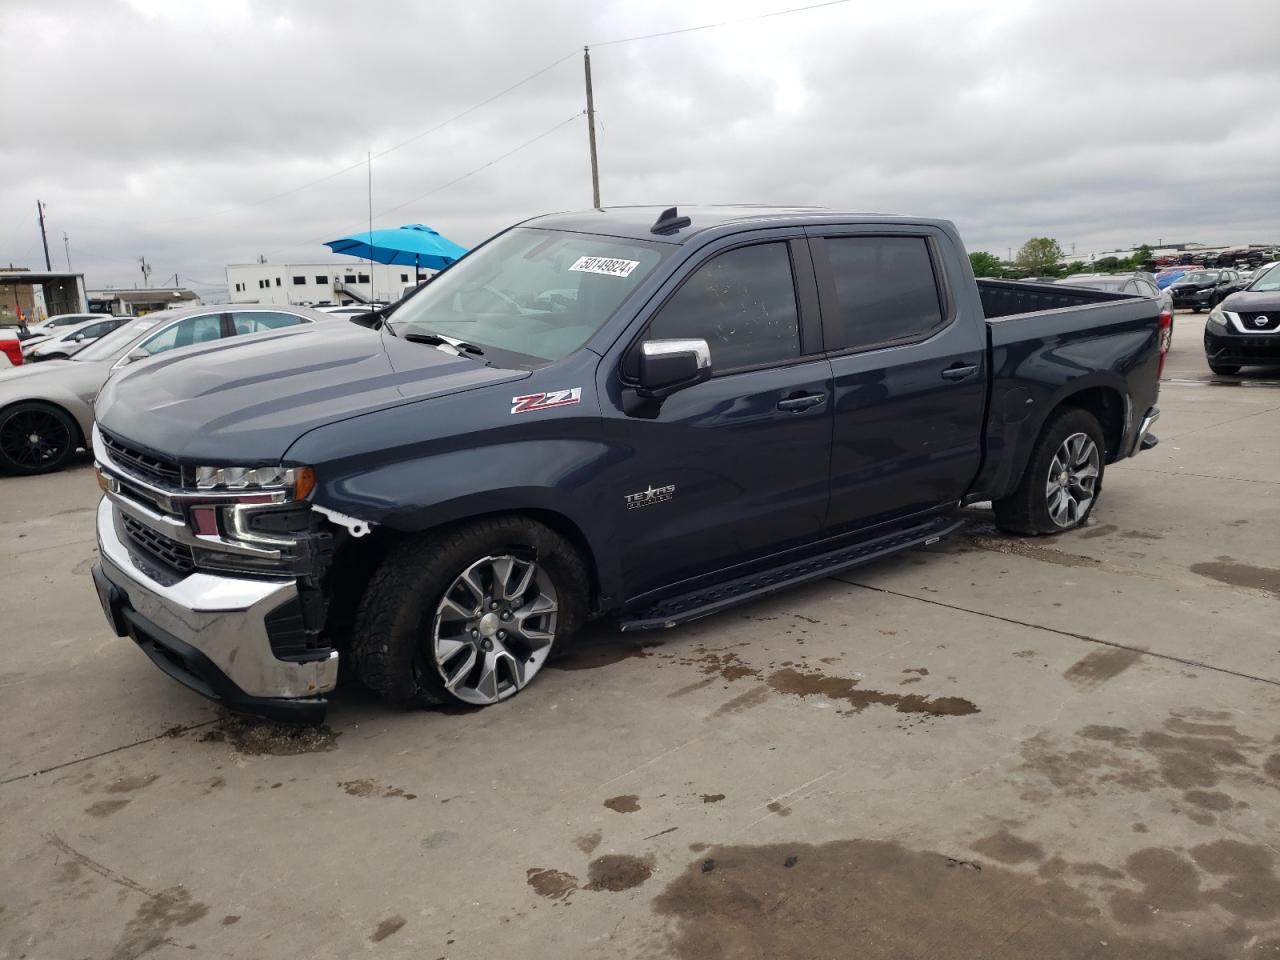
(910, 378)
(735, 467)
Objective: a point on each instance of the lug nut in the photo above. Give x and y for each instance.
(493, 605)
(487, 645)
(506, 614)
(474, 633)
(502, 634)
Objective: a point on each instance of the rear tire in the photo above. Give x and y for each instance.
(1224, 369)
(469, 616)
(1062, 480)
(36, 438)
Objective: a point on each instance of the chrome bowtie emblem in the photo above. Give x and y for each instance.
(1261, 320)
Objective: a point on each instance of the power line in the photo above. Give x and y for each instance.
(720, 23)
(496, 96)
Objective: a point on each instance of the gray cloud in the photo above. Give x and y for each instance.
(155, 126)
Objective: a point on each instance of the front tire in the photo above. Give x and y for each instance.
(470, 616)
(1063, 478)
(36, 438)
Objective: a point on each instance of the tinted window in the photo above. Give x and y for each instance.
(92, 331)
(885, 287)
(251, 321)
(743, 303)
(299, 281)
(184, 333)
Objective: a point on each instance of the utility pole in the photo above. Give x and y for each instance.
(43, 238)
(66, 245)
(591, 129)
(146, 271)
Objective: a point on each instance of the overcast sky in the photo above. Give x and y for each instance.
(167, 128)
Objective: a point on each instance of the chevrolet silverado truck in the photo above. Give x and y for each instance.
(644, 414)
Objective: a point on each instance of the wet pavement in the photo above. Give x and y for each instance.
(993, 747)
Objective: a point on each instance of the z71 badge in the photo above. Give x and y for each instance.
(545, 401)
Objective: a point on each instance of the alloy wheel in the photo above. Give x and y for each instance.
(31, 439)
(1073, 479)
(493, 628)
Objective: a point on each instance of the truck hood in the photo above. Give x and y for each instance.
(247, 399)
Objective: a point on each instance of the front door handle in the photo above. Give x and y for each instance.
(959, 371)
(801, 402)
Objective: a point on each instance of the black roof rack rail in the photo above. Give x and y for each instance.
(669, 221)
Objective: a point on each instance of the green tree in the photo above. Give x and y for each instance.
(986, 264)
(1141, 257)
(1109, 264)
(1039, 256)
(1075, 266)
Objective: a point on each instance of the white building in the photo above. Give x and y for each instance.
(318, 284)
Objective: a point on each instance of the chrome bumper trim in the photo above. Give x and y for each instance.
(1152, 416)
(223, 617)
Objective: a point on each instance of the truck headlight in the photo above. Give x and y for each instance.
(297, 482)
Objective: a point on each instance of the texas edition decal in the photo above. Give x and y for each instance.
(545, 401)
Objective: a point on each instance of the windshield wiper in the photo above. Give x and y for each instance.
(435, 340)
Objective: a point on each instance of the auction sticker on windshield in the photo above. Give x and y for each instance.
(609, 266)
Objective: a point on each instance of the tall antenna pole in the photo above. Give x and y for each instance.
(66, 245)
(369, 162)
(43, 237)
(591, 129)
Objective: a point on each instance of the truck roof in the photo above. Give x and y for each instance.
(638, 222)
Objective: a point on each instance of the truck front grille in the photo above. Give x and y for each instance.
(145, 466)
(176, 557)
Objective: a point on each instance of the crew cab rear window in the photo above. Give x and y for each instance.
(885, 287)
(743, 303)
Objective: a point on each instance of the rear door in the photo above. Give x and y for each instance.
(909, 373)
(735, 467)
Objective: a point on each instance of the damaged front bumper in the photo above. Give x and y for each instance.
(212, 632)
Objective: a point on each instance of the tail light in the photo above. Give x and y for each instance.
(13, 350)
(1166, 337)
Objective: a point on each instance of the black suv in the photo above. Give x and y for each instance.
(1204, 289)
(1245, 328)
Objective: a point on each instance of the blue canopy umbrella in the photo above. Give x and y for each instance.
(414, 244)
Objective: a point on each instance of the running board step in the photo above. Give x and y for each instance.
(709, 600)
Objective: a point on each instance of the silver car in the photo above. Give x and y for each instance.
(46, 409)
(70, 340)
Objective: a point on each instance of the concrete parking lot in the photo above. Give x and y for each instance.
(991, 748)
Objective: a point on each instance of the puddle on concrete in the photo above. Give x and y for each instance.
(618, 871)
(598, 655)
(552, 884)
(588, 842)
(626, 803)
(1234, 574)
(253, 736)
(1101, 665)
(1007, 848)
(881, 901)
(372, 788)
(1200, 761)
(805, 684)
(386, 928)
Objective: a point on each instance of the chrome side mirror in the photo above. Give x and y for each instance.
(670, 365)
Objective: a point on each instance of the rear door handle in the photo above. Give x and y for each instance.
(802, 402)
(959, 371)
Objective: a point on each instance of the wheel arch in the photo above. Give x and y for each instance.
(1107, 405)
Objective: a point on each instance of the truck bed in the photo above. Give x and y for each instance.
(1006, 298)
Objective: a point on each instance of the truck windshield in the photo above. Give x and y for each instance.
(538, 294)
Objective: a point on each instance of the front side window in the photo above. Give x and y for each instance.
(535, 295)
(885, 287)
(253, 321)
(743, 303)
(184, 333)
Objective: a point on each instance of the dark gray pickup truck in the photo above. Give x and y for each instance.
(640, 413)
